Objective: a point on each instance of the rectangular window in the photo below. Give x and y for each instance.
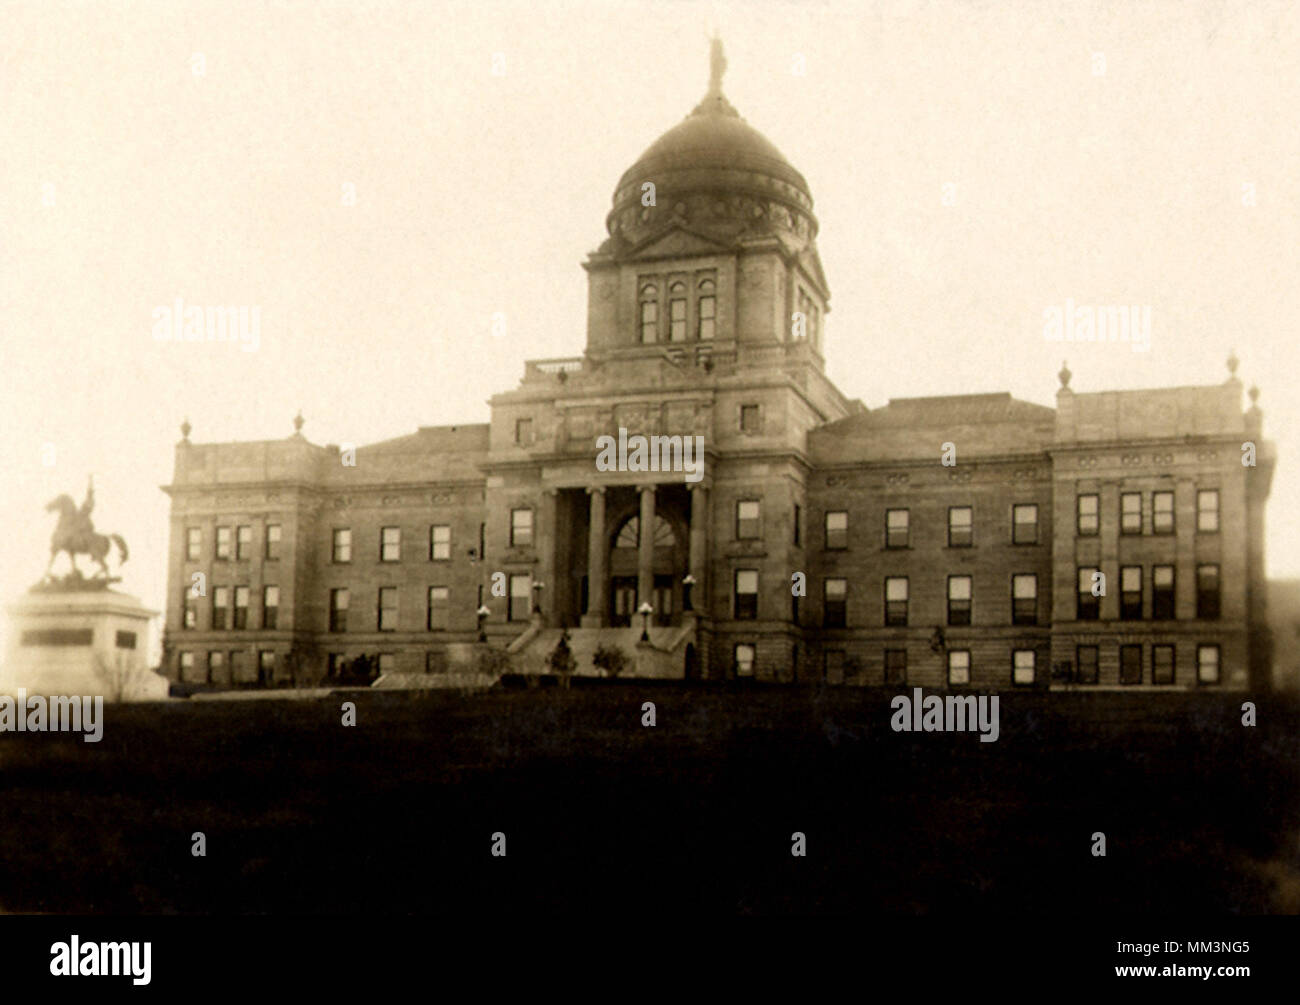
(440, 542)
(342, 544)
(435, 661)
(960, 520)
(1162, 592)
(747, 511)
(190, 610)
(523, 432)
(388, 608)
(1207, 591)
(390, 544)
(243, 543)
(1207, 511)
(521, 596)
(1130, 593)
(835, 603)
(241, 607)
(708, 313)
(220, 604)
(798, 524)
(833, 666)
(439, 603)
(1130, 513)
(898, 530)
(216, 668)
(339, 610)
(266, 666)
(1207, 664)
(837, 529)
(521, 527)
(272, 541)
(270, 606)
(677, 319)
(959, 666)
(959, 597)
(1162, 664)
(1088, 671)
(186, 666)
(1024, 599)
(1022, 666)
(1130, 664)
(333, 664)
(1162, 512)
(895, 666)
(193, 544)
(1086, 521)
(896, 601)
(1024, 523)
(749, 419)
(746, 594)
(744, 654)
(1089, 603)
(223, 542)
(649, 321)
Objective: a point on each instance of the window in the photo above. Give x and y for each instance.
(333, 664)
(342, 545)
(895, 666)
(835, 603)
(186, 665)
(896, 601)
(439, 601)
(387, 663)
(708, 307)
(1162, 664)
(677, 312)
(744, 654)
(266, 666)
(959, 666)
(223, 542)
(747, 511)
(1022, 666)
(193, 544)
(746, 594)
(1089, 604)
(1086, 522)
(959, 590)
(897, 528)
(1088, 665)
(523, 432)
(649, 314)
(749, 419)
(272, 541)
(1130, 593)
(243, 543)
(190, 610)
(388, 608)
(220, 604)
(1024, 523)
(1207, 664)
(270, 606)
(216, 667)
(521, 597)
(1207, 591)
(1207, 511)
(1024, 599)
(338, 610)
(1130, 664)
(798, 524)
(837, 529)
(1162, 592)
(435, 661)
(833, 666)
(1130, 513)
(241, 607)
(959, 526)
(390, 544)
(1162, 512)
(521, 527)
(440, 542)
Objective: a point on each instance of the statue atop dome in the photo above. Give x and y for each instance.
(717, 67)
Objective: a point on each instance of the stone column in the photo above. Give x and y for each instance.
(545, 542)
(597, 586)
(645, 578)
(698, 560)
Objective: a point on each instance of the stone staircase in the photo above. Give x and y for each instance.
(662, 656)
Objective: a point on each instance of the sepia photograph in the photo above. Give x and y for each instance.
(666, 463)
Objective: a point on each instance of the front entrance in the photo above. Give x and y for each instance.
(622, 601)
(663, 600)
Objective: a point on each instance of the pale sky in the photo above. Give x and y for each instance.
(1168, 179)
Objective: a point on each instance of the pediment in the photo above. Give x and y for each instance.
(677, 242)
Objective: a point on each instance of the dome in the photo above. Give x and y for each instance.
(717, 170)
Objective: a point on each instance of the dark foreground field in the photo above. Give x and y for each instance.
(696, 814)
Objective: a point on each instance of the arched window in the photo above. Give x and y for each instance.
(649, 314)
(629, 535)
(677, 312)
(707, 309)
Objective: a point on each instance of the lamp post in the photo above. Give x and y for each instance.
(482, 613)
(687, 583)
(645, 610)
(537, 597)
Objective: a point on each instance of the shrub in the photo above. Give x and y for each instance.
(611, 659)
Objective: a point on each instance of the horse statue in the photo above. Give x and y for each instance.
(76, 535)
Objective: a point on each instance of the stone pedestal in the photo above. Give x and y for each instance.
(83, 642)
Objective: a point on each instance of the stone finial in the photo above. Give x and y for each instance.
(1065, 375)
(1254, 396)
(185, 428)
(1233, 362)
(717, 67)
(297, 423)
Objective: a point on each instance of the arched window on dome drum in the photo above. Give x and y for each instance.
(629, 535)
(707, 309)
(649, 314)
(677, 312)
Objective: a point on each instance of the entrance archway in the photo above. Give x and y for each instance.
(668, 570)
